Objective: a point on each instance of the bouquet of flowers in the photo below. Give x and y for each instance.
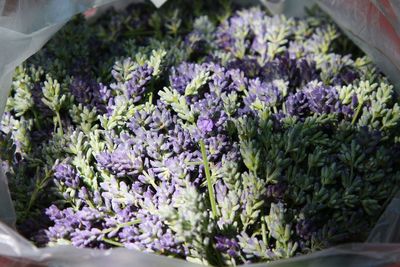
(231, 137)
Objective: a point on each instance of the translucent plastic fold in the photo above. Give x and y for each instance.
(16, 249)
(26, 25)
(374, 25)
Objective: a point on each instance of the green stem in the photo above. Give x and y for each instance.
(36, 120)
(32, 199)
(151, 180)
(89, 202)
(59, 122)
(158, 33)
(38, 186)
(112, 242)
(264, 232)
(351, 171)
(121, 226)
(208, 177)
(357, 113)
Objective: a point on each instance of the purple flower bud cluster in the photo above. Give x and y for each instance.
(183, 74)
(86, 92)
(316, 99)
(136, 86)
(67, 175)
(227, 245)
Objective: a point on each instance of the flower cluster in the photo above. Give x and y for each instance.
(245, 141)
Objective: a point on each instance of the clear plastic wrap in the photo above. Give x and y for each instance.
(26, 25)
(288, 7)
(374, 25)
(17, 250)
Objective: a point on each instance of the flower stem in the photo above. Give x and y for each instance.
(32, 199)
(357, 112)
(59, 122)
(208, 177)
(36, 119)
(264, 232)
(112, 242)
(122, 225)
(40, 184)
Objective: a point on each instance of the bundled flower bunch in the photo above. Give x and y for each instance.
(252, 139)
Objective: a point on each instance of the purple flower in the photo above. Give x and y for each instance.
(54, 213)
(217, 146)
(276, 191)
(298, 72)
(86, 238)
(323, 100)
(105, 93)
(297, 104)
(65, 221)
(315, 98)
(136, 87)
(267, 93)
(121, 162)
(180, 139)
(161, 120)
(305, 229)
(66, 174)
(212, 117)
(346, 76)
(205, 125)
(227, 245)
(249, 67)
(87, 92)
(183, 74)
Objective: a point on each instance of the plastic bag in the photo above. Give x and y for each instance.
(373, 25)
(14, 248)
(26, 25)
(293, 8)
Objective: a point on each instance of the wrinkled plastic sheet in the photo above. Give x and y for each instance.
(15, 249)
(374, 25)
(26, 25)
